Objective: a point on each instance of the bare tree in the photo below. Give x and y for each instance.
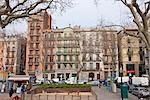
(11, 10)
(141, 17)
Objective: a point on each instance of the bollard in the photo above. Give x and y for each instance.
(39, 97)
(47, 97)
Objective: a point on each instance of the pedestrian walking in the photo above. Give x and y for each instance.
(11, 91)
(99, 84)
(23, 92)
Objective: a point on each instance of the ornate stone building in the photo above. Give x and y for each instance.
(132, 54)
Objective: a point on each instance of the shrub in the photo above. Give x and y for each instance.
(45, 86)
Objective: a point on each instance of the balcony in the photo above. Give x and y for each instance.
(37, 41)
(67, 38)
(68, 61)
(31, 27)
(36, 63)
(30, 63)
(30, 55)
(52, 62)
(146, 55)
(51, 46)
(38, 26)
(68, 53)
(69, 45)
(50, 71)
(31, 48)
(91, 69)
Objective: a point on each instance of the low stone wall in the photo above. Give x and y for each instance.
(62, 96)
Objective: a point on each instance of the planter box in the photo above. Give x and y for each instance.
(61, 90)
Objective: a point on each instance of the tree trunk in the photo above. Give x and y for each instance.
(149, 61)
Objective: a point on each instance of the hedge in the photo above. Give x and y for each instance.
(45, 86)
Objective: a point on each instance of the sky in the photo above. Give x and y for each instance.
(84, 13)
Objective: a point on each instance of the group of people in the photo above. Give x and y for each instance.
(18, 92)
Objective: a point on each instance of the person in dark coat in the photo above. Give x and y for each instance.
(11, 92)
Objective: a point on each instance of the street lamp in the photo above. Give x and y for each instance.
(121, 74)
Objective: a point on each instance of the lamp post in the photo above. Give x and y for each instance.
(121, 74)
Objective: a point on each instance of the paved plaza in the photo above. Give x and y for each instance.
(102, 94)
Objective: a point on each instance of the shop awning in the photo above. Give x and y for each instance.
(19, 78)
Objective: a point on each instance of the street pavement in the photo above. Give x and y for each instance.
(103, 94)
(4, 96)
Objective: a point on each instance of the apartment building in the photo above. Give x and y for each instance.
(2, 35)
(110, 52)
(64, 53)
(131, 54)
(12, 54)
(91, 54)
(35, 60)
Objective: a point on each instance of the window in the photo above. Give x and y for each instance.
(12, 61)
(13, 54)
(31, 38)
(65, 58)
(84, 57)
(51, 58)
(59, 35)
(37, 38)
(65, 50)
(140, 41)
(91, 58)
(65, 65)
(51, 67)
(97, 56)
(31, 32)
(91, 66)
(65, 34)
(76, 57)
(59, 50)
(129, 40)
(37, 45)
(71, 65)
(141, 52)
(31, 45)
(36, 52)
(130, 67)
(70, 58)
(58, 66)
(13, 49)
(30, 67)
(46, 67)
(32, 24)
(31, 52)
(76, 65)
(59, 58)
(84, 65)
(36, 59)
(30, 60)
(97, 66)
(84, 42)
(8, 49)
(13, 42)
(129, 57)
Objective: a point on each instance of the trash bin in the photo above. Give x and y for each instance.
(124, 91)
(114, 89)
